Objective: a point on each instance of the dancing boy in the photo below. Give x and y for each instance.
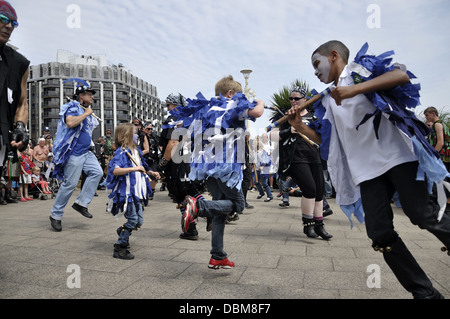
(374, 161)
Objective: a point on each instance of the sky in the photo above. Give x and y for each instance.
(187, 46)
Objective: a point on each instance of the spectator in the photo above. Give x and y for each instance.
(13, 95)
(40, 153)
(25, 178)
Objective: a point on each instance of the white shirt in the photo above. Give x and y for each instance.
(140, 187)
(367, 157)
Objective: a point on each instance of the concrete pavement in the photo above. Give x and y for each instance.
(274, 260)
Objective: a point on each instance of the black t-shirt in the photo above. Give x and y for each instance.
(296, 150)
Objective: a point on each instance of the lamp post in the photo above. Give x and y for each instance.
(249, 93)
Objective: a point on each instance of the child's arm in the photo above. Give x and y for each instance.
(154, 174)
(258, 110)
(386, 81)
(123, 171)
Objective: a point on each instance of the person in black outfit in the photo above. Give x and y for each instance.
(300, 159)
(176, 173)
(152, 157)
(247, 171)
(13, 94)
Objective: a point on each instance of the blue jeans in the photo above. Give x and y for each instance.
(225, 201)
(265, 185)
(284, 188)
(135, 219)
(72, 172)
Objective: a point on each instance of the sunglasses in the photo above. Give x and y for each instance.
(5, 20)
(296, 98)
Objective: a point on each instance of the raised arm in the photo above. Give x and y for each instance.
(386, 81)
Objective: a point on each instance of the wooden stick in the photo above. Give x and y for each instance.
(93, 114)
(84, 108)
(136, 163)
(301, 108)
(306, 138)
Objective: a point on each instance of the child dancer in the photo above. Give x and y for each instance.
(129, 185)
(216, 125)
(37, 179)
(399, 155)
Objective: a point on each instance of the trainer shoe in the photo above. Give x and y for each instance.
(218, 264)
(190, 212)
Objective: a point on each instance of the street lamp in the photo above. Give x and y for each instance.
(249, 93)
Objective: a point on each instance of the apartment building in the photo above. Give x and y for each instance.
(120, 95)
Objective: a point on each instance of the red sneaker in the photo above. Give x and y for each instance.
(217, 264)
(190, 212)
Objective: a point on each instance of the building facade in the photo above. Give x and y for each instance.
(120, 96)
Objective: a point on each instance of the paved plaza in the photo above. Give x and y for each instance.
(274, 259)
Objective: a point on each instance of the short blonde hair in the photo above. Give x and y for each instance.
(226, 84)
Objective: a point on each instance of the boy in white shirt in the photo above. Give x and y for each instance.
(375, 164)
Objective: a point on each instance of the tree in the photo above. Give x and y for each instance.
(281, 99)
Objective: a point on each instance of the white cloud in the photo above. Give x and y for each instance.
(186, 46)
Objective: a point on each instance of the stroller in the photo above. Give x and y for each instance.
(53, 183)
(36, 191)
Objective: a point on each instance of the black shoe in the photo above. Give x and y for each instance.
(9, 198)
(56, 224)
(320, 230)
(122, 253)
(259, 196)
(231, 218)
(82, 210)
(268, 199)
(327, 211)
(248, 206)
(189, 235)
(434, 295)
(284, 204)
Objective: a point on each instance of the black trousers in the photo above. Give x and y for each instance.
(418, 205)
(309, 177)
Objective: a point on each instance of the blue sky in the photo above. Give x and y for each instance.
(187, 46)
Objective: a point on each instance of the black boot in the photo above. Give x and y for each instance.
(2, 200)
(320, 230)
(308, 228)
(191, 234)
(8, 197)
(122, 252)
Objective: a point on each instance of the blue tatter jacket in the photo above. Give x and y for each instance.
(67, 138)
